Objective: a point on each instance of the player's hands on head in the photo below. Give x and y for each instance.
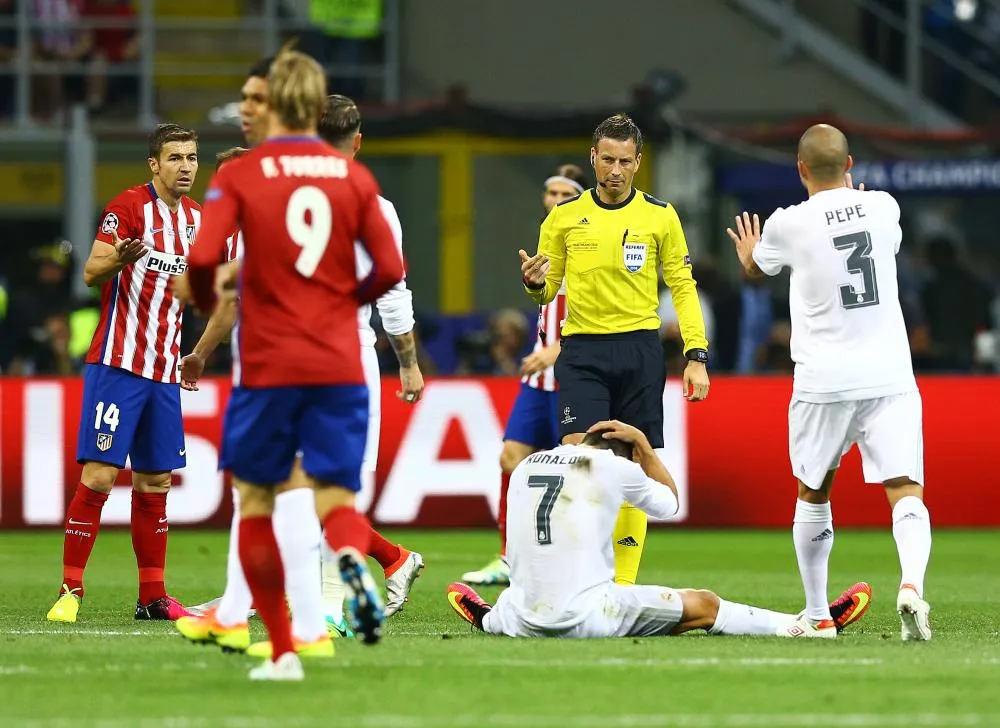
(128, 250)
(617, 430)
(412, 382)
(696, 382)
(534, 268)
(192, 367)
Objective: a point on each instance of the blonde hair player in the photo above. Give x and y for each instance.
(300, 205)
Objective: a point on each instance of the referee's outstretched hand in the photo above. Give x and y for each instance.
(534, 268)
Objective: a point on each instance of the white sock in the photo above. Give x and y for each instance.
(334, 589)
(911, 527)
(813, 537)
(236, 599)
(742, 619)
(296, 527)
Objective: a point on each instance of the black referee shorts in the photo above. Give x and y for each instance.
(612, 377)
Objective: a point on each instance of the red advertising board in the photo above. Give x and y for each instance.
(438, 460)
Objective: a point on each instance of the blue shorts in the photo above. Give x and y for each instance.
(125, 415)
(266, 427)
(534, 419)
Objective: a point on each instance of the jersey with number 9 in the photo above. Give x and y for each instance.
(301, 206)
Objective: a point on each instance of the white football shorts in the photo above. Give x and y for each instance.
(623, 611)
(888, 431)
(373, 378)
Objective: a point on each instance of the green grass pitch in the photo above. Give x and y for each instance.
(109, 671)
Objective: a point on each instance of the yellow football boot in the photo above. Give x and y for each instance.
(66, 608)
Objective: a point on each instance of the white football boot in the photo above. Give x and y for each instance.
(808, 628)
(397, 586)
(287, 668)
(914, 615)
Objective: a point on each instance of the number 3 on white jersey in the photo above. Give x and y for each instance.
(309, 221)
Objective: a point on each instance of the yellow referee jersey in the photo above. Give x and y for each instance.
(609, 255)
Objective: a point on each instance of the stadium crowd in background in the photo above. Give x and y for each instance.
(746, 322)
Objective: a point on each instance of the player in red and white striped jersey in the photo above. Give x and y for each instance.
(140, 325)
(131, 396)
(550, 320)
(534, 422)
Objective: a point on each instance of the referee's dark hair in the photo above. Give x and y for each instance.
(619, 447)
(340, 121)
(621, 128)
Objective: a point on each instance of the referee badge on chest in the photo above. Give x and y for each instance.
(634, 247)
(634, 255)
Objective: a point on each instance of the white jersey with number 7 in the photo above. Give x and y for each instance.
(849, 341)
(561, 510)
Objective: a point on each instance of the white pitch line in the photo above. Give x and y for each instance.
(71, 631)
(16, 670)
(664, 720)
(613, 662)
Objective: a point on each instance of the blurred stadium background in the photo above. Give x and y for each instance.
(468, 107)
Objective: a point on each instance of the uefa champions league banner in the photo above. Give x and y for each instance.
(438, 460)
(953, 176)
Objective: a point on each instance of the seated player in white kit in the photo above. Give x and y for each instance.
(561, 510)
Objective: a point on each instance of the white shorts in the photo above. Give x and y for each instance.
(888, 431)
(624, 611)
(373, 378)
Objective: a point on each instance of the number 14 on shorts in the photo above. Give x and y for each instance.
(106, 414)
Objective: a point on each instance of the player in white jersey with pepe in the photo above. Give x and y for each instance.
(561, 510)
(854, 378)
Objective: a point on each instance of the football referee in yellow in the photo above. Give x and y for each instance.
(608, 243)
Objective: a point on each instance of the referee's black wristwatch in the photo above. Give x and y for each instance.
(699, 355)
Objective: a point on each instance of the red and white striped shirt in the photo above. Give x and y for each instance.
(234, 246)
(551, 317)
(234, 251)
(140, 326)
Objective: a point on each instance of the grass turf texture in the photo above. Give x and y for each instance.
(431, 670)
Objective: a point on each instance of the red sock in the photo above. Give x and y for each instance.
(502, 512)
(83, 521)
(266, 578)
(346, 528)
(385, 553)
(149, 541)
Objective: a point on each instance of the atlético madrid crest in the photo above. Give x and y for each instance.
(104, 441)
(190, 233)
